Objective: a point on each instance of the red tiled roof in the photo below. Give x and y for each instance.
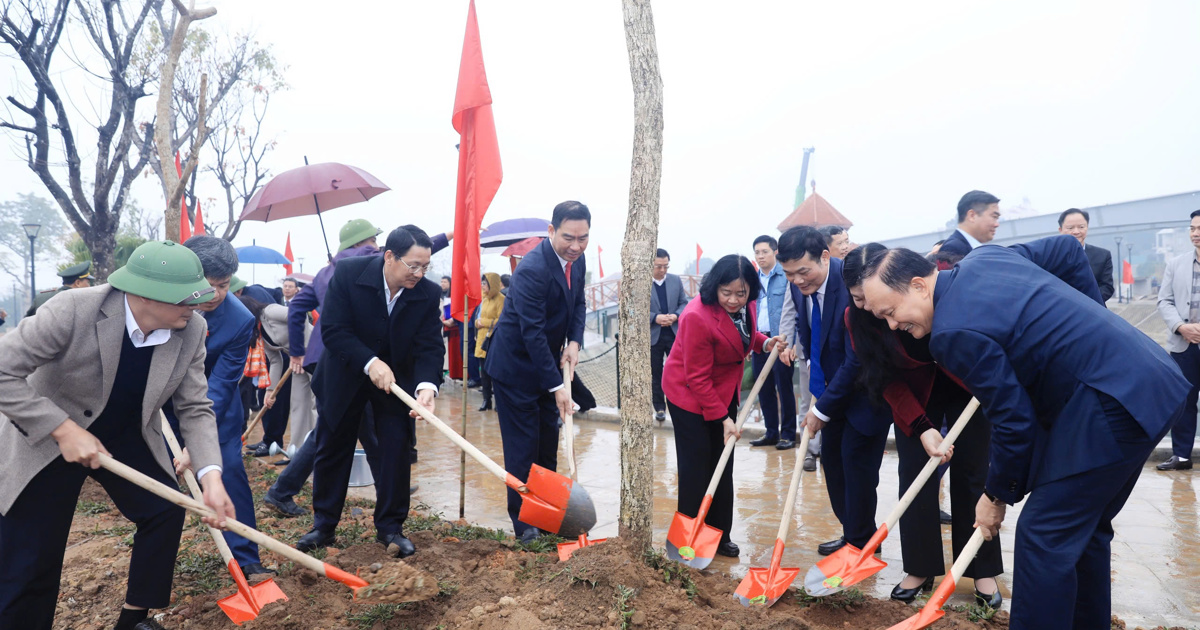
(817, 212)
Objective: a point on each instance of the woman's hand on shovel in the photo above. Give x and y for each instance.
(216, 499)
(931, 439)
(731, 430)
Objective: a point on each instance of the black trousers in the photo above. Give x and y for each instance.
(33, 535)
(920, 529)
(658, 355)
(850, 460)
(698, 446)
(485, 380)
(529, 434)
(336, 437)
(1183, 433)
(777, 398)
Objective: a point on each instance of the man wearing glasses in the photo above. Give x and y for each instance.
(380, 327)
(667, 301)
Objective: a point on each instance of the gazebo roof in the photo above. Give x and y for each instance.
(817, 212)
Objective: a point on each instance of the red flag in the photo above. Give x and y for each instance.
(698, 253)
(600, 263)
(185, 224)
(479, 172)
(198, 228)
(1127, 273)
(287, 249)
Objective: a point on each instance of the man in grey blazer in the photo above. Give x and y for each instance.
(1179, 305)
(667, 300)
(87, 375)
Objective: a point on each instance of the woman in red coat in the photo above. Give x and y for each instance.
(702, 378)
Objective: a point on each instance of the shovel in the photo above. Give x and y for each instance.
(849, 565)
(287, 373)
(245, 531)
(764, 587)
(566, 549)
(549, 501)
(932, 611)
(690, 540)
(245, 604)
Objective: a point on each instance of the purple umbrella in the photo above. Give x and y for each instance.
(499, 235)
(312, 189)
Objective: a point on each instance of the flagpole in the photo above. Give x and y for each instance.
(462, 455)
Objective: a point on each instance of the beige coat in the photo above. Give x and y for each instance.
(61, 364)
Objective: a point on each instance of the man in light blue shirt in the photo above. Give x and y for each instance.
(776, 395)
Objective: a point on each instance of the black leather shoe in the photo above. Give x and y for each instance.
(728, 549)
(660, 415)
(529, 535)
(994, 600)
(906, 595)
(252, 447)
(413, 488)
(261, 450)
(397, 545)
(256, 569)
(764, 441)
(1175, 463)
(785, 445)
(473, 383)
(944, 517)
(315, 539)
(286, 508)
(148, 624)
(486, 406)
(810, 463)
(827, 548)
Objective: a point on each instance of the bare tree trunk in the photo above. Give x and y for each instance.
(173, 183)
(641, 240)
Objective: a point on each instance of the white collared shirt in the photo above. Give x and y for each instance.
(970, 239)
(659, 282)
(391, 303)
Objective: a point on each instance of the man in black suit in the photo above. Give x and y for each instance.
(667, 301)
(381, 327)
(539, 331)
(978, 218)
(1075, 222)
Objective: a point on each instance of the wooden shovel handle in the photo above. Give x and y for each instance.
(462, 443)
(178, 498)
(287, 373)
(791, 497)
(915, 487)
(741, 419)
(189, 478)
(568, 423)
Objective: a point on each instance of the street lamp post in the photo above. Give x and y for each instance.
(31, 230)
(301, 264)
(1129, 257)
(1120, 272)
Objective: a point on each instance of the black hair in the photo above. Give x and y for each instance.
(769, 240)
(880, 355)
(1087, 218)
(897, 267)
(403, 238)
(662, 253)
(1195, 213)
(944, 260)
(447, 278)
(975, 200)
(505, 279)
(728, 269)
(570, 211)
(939, 243)
(256, 309)
(801, 240)
(292, 280)
(217, 256)
(830, 231)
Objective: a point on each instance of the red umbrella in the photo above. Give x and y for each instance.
(520, 248)
(312, 189)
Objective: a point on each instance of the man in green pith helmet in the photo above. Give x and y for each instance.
(87, 376)
(73, 277)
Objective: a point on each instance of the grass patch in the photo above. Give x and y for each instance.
(446, 588)
(974, 612)
(845, 599)
(671, 571)
(349, 534)
(379, 613)
(197, 572)
(124, 529)
(91, 508)
(624, 604)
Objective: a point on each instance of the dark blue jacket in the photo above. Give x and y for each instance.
(956, 243)
(230, 330)
(842, 399)
(540, 317)
(1034, 343)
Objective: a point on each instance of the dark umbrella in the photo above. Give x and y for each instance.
(499, 235)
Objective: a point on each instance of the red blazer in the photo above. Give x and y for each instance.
(703, 374)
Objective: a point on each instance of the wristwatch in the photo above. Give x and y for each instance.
(996, 502)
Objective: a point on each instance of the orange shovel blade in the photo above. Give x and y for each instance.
(566, 549)
(842, 569)
(692, 542)
(932, 610)
(760, 588)
(556, 504)
(245, 604)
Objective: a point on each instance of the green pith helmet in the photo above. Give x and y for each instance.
(164, 271)
(76, 272)
(356, 231)
(236, 284)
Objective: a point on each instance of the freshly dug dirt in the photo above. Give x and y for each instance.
(395, 582)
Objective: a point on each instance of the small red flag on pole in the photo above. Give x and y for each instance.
(1127, 273)
(287, 252)
(185, 224)
(600, 263)
(699, 252)
(479, 172)
(198, 228)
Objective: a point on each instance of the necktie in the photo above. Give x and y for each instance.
(568, 271)
(816, 376)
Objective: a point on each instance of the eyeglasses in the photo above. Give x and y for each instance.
(423, 269)
(667, 266)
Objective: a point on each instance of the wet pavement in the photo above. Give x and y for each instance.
(1156, 550)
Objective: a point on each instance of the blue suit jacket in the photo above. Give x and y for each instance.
(540, 317)
(1025, 330)
(843, 399)
(230, 329)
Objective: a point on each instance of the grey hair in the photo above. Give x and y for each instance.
(216, 255)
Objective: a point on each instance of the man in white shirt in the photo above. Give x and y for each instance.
(978, 218)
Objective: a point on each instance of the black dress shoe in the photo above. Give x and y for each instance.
(261, 449)
(473, 383)
(995, 600)
(906, 595)
(827, 548)
(764, 441)
(660, 415)
(1175, 463)
(256, 569)
(486, 406)
(785, 445)
(148, 624)
(944, 517)
(315, 539)
(397, 545)
(810, 463)
(728, 549)
(286, 508)
(529, 535)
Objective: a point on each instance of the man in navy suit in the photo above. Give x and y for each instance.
(539, 331)
(854, 433)
(978, 218)
(1076, 395)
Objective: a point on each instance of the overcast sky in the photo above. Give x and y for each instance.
(1063, 103)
